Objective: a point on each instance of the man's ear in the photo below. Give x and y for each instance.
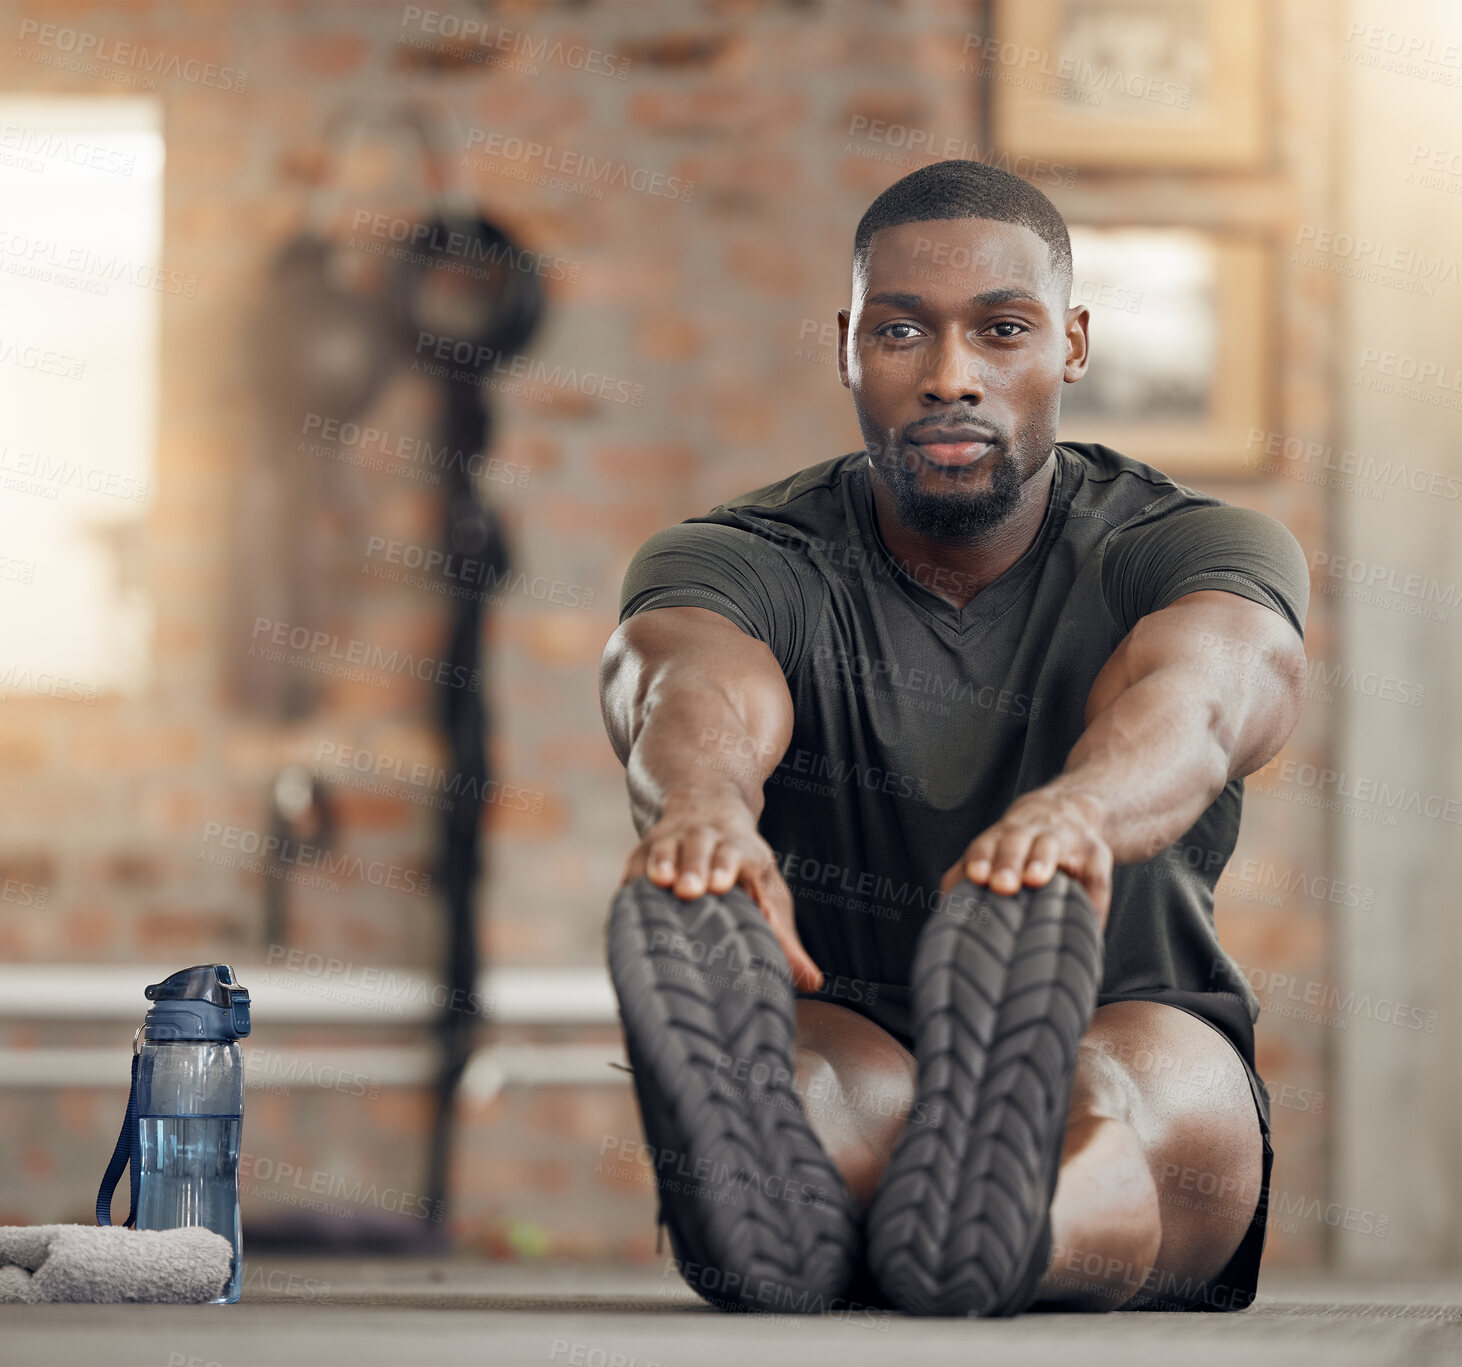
(1078, 343)
(844, 317)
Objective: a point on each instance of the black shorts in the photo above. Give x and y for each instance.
(887, 1005)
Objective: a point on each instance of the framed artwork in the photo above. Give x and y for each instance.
(1181, 346)
(1129, 83)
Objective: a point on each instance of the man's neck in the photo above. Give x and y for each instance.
(956, 572)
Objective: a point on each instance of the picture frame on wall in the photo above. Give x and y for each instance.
(1181, 347)
(1129, 83)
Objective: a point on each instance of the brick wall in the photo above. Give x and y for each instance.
(704, 304)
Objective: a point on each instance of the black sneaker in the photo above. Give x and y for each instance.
(758, 1215)
(1003, 988)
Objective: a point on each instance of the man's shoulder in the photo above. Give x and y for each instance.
(809, 490)
(789, 521)
(1122, 490)
(802, 511)
(1130, 495)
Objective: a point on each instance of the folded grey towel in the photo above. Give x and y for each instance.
(110, 1263)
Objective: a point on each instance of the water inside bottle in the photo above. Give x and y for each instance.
(190, 1166)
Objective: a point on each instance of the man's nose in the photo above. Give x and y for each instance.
(953, 373)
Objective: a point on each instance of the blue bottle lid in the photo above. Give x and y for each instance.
(201, 1003)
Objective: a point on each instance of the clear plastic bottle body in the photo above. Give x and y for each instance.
(190, 1106)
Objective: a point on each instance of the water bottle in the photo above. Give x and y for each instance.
(186, 1111)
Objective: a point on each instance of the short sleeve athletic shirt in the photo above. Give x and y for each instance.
(916, 723)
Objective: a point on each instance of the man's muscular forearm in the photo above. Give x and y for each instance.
(1142, 772)
(685, 736)
(1168, 723)
(1148, 766)
(700, 715)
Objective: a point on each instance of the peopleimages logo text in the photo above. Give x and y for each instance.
(579, 164)
(363, 654)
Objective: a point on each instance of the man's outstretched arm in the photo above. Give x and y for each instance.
(700, 715)
(1201, 692)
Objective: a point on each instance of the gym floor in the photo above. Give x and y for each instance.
(358, 1314)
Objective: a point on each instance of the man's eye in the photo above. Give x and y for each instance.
(887, 330)
(1019, 328)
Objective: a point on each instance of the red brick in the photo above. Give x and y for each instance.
(907, 109)
(726, 109)
(668, 337)
(35, 868)
(149, 748)
(363, 811)
(400, 1111)
(540, 454)
(547, 402)
(649, 464)
(189, 929)
(24, 754)
(747, 182)
(687, 50)
(133, 870)
(330, 54)
(505, 823)
(744, 419)
(562, 639)
(80, 1111)
(585, 1116)
(581, 753)
(177, 638)
(90, 932)
(508, 1175)
(771, 265)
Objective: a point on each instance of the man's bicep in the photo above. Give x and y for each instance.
(695, 656)
(707, 639)
(1238, 657)
(729, 571)
(1226, 547)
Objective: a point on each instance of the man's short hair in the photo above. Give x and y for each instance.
(966, 189)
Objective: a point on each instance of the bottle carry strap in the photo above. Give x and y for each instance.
(123, 1155)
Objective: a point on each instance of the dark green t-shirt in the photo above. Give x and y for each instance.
(917, 724)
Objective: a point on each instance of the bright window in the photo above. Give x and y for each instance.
(80, 289)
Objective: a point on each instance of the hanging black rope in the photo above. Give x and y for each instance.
(320, 347)
(473, 537)
(495, 309)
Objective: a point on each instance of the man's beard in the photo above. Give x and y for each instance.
(953, 515)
